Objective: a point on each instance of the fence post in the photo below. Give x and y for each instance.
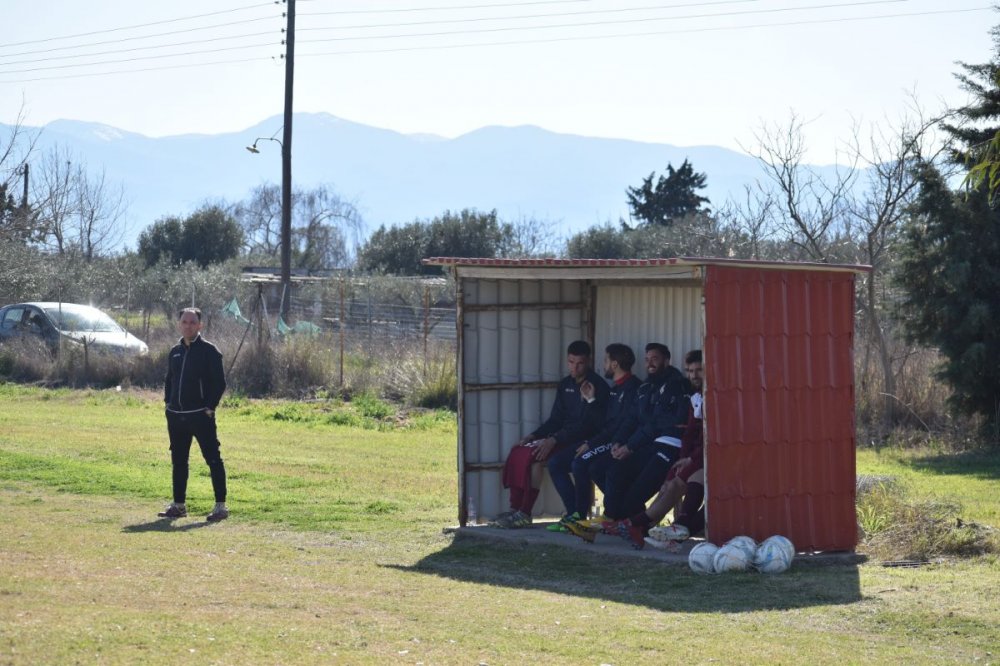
(369, 314)
(427, 324)
(343, 323)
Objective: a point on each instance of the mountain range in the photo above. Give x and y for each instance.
(568, 181)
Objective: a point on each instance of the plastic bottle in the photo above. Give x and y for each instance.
(470, 512)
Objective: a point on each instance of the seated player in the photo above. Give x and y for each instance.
(685, 478)
(644, 459)
(572, 420)
(577, 492)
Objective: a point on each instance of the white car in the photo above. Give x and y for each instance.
(68, 322)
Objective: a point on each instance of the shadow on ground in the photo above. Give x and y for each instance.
(610, 570)
(164, 525)
(978, 464)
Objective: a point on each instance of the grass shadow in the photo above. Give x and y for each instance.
(163, 525)
(983, 465)
(663, 587)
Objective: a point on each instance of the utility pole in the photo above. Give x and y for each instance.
(24, 196)
(286, 167)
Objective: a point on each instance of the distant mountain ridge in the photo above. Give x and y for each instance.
(570, 181)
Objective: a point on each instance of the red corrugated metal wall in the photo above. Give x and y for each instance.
(779, 402)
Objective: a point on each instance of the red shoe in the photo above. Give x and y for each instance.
(636, 534)
(613, 527)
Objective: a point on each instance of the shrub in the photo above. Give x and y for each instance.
(302, 365)
(899, 527)
(372, 407)
(430, 383)
(26, 360)
(253, 372)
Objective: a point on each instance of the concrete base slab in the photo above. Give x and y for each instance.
(606, 545)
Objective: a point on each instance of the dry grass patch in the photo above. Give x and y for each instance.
(900, 527)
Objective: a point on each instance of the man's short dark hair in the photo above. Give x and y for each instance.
(693, 356)
(621, 354)
(196, 311)
(579, 348)
(660, 347)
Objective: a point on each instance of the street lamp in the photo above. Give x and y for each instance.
(286, 219)
(255, 150)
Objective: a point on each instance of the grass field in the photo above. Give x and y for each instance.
(329, 558)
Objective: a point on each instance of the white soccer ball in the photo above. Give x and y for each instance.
(744, 543)
(731, 557)
(774, 555)
(785, 543)
(701, 558)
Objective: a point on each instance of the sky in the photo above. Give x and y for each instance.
(682, 72)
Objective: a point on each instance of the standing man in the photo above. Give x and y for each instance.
(193, 388)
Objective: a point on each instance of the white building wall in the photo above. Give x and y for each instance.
(637, 314)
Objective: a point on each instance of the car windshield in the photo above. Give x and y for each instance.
(82, 318)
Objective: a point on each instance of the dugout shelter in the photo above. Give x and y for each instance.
(777, 341)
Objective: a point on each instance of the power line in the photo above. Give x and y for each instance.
(153, 57)
(132, 39)
(141, 70)
(442, 9)
(644, 34)
(648, 19)
(549, 15)
(433, 34)
(140, 25)
(137, 48)
(513, 42)
(257, 34)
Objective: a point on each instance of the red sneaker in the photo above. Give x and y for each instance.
(636, 534)
(612, 527)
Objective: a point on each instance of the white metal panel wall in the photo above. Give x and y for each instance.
(512, 346)
(636, 315)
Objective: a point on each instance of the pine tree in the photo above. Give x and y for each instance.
(673, 196)
(950, 267)
(950, 271)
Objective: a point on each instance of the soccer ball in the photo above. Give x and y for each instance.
(731, 557)
(701, 558)
(774, 555)
(744, 543)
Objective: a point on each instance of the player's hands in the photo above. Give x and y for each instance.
(587, 391)
(583, 448)
(620, 452)
(543, 450)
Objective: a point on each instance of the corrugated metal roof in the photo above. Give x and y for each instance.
(779, 385)
(636, 263)
(524, 263)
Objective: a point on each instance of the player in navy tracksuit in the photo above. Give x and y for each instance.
(592, 458)
(685, 478)
(571, 421)
(642, 462)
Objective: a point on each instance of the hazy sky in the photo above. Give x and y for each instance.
(684, 72)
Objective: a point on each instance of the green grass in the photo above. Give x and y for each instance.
(329, 558)
(971, 478)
